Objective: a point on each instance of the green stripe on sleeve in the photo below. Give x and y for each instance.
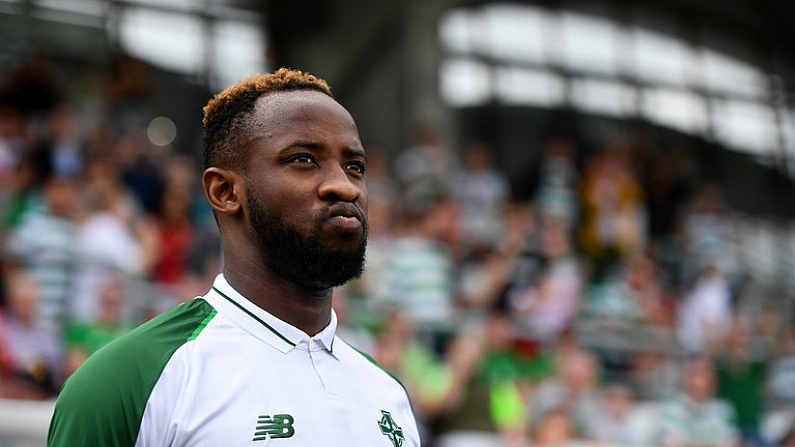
(202, 325)
(102, 403)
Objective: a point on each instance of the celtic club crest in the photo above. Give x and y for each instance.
(390, 429)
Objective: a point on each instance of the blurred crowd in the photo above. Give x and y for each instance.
(100, 229)
(604, 307)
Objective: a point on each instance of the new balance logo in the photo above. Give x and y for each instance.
(278, 426)
(390, 429)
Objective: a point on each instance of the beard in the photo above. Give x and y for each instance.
(306, 260)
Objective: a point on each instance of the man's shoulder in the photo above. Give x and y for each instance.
(365, 364)
(111, 389)
(154, 341)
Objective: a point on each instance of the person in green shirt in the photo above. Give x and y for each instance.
(83, 338)
(741, 382)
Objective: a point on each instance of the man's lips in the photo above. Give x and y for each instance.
(346, 216)
(344, 222)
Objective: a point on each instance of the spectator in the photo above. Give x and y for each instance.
(704, 316)
(554, 429)
(741, 377)
(523, 243)
(44, 245)
(481, 191)
(202, 261)
(613, 211)
(548, 306)
(647, 288)
(610, 303)
(420, 271)
(654, 374)
(556, 193)
(141, 170)
(697, 417)
(107, 242)
(13, 141)
(573, 391)
(174, 229)
(62, 153)
(484, 405)
(32, 367)
(617, 423)
(634, 313)
(708, 236)
(84, 338)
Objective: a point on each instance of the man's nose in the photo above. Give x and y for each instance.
(337, 185)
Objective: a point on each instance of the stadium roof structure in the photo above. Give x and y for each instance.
(715, 74)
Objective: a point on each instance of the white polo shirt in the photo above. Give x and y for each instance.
(220, 371)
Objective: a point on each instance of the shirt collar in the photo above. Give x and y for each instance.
(327, 335)
(263, 325)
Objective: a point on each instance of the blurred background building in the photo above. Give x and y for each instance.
(716, 76)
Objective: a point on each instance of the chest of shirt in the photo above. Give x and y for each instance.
(255, 395)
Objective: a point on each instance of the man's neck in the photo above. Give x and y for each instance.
(307, 309)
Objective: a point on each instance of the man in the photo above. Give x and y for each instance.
(255, 361)
(697, 417)
(43, 245)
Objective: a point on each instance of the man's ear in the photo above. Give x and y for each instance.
(223, 190)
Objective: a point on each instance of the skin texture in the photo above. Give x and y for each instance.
(304, 178)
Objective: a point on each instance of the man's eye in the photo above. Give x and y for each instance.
(357, 167)
(302, 159)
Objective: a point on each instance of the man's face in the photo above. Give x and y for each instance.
(306, 195)
(700, 380)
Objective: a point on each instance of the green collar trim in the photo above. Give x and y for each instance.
(254, 317)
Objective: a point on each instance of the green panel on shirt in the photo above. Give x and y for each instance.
(103, 402)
